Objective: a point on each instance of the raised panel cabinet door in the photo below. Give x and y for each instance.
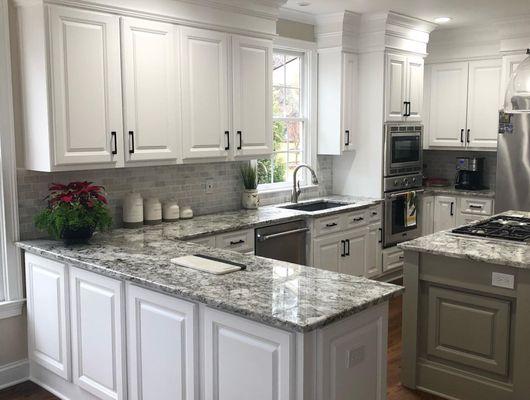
(444, 213)
(245, 360)
(328, 251)
(427, 215)
(374, 255)
(98, 343)
(395, 87)
(252, 95)
(85, 78)
(483, 103)
(151, 90)
(47, 301)
(448, 105)
(162, 346)
(355, 260)
(415, 88)
(205, 111)
(349, 99)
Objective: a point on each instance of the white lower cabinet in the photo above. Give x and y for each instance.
(427, 215)
(98, 344)
(374, 261)
(353, 262)
(327, 252)
(444, 213)
(161, 346)
(245, 360)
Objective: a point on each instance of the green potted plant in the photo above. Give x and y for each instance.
(250, 197)
(74, 212)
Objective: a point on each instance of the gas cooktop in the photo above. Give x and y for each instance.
(499, 227)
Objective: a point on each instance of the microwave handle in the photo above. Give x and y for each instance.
(394, 195)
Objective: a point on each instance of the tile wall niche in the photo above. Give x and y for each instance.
(442, 164)
(184, 183)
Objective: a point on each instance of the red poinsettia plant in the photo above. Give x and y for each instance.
(74, 211)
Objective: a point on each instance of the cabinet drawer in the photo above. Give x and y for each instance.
(326, 225)
(473, 205)
(242, 241)
(374, 214)
(392, 258)
(357, 218)
(205, 241)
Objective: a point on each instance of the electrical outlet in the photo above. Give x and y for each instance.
(355, 357)
(209, 186)
(502, 280)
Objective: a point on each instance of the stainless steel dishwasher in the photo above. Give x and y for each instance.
(285, 242)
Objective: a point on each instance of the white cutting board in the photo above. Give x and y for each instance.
(205, 265)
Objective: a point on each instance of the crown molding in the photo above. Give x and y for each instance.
(296, 16)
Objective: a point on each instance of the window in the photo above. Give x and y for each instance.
(289, 123)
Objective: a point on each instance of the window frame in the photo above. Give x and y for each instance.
(308, 107)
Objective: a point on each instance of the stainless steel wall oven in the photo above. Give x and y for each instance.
(403, 149)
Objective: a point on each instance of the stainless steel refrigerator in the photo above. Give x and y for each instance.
(512, 189)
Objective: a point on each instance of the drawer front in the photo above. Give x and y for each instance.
(473, 205)
(327, 225)
(357, 218)
(242, 241)
(374, 214)
(205, 241)
(392, 258)
(467, 219)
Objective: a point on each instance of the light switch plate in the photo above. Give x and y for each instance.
(503, 280)
(209, 186)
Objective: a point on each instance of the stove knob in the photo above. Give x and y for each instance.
(413, 180)
(405, 182)
(396, 182)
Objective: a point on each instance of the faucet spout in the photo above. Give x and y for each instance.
(296, 184)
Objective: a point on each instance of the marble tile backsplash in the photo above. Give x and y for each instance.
(184, 183)
(442, 164)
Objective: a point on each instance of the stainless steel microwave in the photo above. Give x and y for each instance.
(403, 149)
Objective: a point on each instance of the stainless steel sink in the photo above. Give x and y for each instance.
(317, 205)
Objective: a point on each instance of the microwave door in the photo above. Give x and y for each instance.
(405, 149)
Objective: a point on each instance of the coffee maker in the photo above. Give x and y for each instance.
(469, 173)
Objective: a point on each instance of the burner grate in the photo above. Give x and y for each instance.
(499, 227)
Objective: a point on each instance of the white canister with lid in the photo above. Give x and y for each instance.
(170, 211)
(152, 211)
(186, 212)
(133, 211)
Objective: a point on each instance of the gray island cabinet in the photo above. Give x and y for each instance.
(466, 317)
(115, 320)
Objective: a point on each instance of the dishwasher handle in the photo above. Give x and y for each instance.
(262, 238)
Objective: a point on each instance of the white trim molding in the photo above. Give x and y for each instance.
(14, 373)
(9, 309)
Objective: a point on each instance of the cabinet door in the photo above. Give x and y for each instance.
(355, 260)
(97, 334)
(162, 346)
(86, 86)
(328, 252)
(47, 299)
(349, 100)
(415, 88)
(395, 87)
(427, 215)
(245, 360)
(374, 255)
(252, 96)
(204, 60)
(483, 103)
(444, 213)
(448, 107)
(509, 65)
(151, 90)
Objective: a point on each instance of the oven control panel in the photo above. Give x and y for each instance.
(394, 183)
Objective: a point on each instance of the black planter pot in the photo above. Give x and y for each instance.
(75, 236)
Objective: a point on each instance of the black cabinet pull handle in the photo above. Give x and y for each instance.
(358, 219)
(343, 248)
(461, 136)
(467, 136)
(452, 206)
(380, 235)
(475, 207)
(115, 142)
(407, 108)
(131, 138)
(240, 140)
(227, 147)
(347, 132)
(331, 225)
(240, 241)
(348, 243)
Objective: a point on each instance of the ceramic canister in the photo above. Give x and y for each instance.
(170, 211)
(152, 211)
(186, 212)
(133, 211)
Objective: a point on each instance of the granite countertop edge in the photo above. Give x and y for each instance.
(486, 193)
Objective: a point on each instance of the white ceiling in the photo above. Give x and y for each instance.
(462, 12)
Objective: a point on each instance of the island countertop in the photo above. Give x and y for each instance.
(492, 251)
(276, 293)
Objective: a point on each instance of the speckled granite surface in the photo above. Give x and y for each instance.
(275, 293)
(500, 252)
(451, 191)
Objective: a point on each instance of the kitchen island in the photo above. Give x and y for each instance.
(466, 316)
(116, 319)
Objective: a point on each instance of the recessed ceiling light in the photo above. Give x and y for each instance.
(442, 20)
(303, 3)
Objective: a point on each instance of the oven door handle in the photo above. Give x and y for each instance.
(394, 195)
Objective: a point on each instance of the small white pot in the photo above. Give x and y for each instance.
(250, 199)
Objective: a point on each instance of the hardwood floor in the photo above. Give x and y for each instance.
(30, 391)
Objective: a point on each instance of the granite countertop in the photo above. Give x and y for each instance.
(452, 191)
(280, 294)
(492, 251)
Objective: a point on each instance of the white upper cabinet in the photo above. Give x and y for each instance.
(509, 65)
(403, 88)
(150, 90)
(85, 78)
(205, 123)
(448, 105)
(337, 95)
(252, 95)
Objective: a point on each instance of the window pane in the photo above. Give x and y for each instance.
(278, 100)
(295, 159)
(292, 102)
(264, 171)
(280, 167)
(278, 74)
(279, 138)
(294, 135)
(292, 71)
